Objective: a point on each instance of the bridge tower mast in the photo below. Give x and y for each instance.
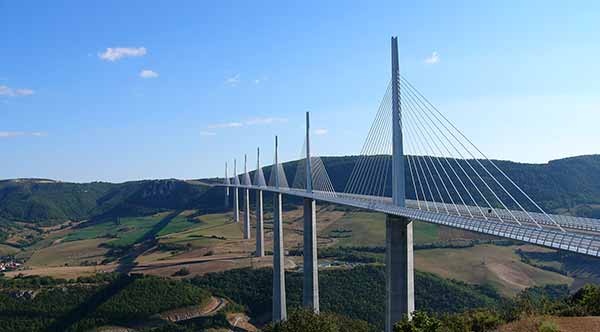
(399, 259)
(260, 234)
(310, 297)
(279, 298)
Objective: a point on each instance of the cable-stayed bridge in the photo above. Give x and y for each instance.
(415, 164)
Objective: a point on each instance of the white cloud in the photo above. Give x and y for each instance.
(23, 92)
(10, 92)
(207, 133)
(234, 80)
(256, 81)
(114, 54)
(226, 125)
(5, 134)
(321, 131)
(147, 73)
(433, 59)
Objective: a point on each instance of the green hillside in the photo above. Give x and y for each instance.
(45, 304)
(359, 294)
(569, 186)
(48, 203)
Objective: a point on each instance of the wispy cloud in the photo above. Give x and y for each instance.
(226, 125)
(207, 133)
(433, 59)
(10, 92)
(321, 131)
(233, 80)
(5, 134)
(114, 54)
(147, 73)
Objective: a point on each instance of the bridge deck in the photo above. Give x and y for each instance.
(582, 235)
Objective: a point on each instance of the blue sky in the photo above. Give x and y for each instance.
(126, 90)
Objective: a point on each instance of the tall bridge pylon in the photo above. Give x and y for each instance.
(399, 259)
(415, 164)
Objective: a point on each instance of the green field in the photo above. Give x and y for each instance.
(208, 230)
(178, 224)
(128, 231)
(368, 229)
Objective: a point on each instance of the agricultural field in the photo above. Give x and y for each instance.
(123, 232)
(7, 250)
(213, 242)
(368, 229)
(71, 253)
(495, 265)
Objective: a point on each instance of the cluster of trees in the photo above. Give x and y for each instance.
(550, 300)
(46, 304)
(357, 295)
(303, 320)
(357, 298)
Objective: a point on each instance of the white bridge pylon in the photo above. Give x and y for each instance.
(415, 164)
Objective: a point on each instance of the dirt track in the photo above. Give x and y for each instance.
(215, 305)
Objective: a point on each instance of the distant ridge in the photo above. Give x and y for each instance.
(570, 186)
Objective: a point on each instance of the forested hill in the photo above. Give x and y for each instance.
(570, 185)
(46, 202)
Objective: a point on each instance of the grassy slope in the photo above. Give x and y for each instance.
(68, 253)
(368, 229)
(498, 266)
(7, 250)
(217, 225)
(486, 264)
(127, 232)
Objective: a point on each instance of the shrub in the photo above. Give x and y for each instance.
(420, 322)
(182, 272)
(548, 326)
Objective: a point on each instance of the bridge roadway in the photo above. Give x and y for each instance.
(581, 235)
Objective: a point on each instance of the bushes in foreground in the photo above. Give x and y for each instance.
(307, 321)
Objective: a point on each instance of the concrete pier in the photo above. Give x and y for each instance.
(260, 232)
(310, 293)
(399, 263)
(310, 297)
(279, 298)
(236, 205)
(247, 214)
